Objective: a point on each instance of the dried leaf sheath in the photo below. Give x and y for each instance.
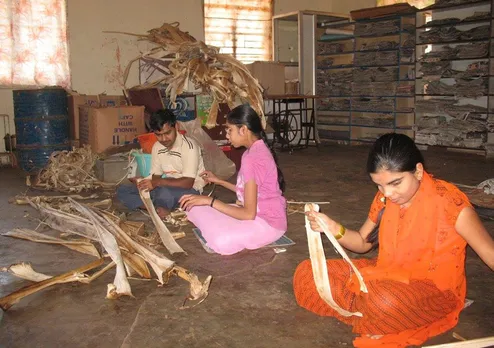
(27, 234)
(122, 286)
(74, 275)
(213, 114)
(165, 235)
(24, 270)
(319, 267)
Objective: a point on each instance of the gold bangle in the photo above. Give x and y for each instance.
(341, 233)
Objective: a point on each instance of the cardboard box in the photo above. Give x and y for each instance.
(102, 127)
(271, 76)
(291, 87)
(76, 100)
(112, 100)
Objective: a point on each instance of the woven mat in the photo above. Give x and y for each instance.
(282, 242)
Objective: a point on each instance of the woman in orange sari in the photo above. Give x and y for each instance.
(421, 226)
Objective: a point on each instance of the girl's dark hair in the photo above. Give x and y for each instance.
(396, 153)
(244, 115)
(161, 117)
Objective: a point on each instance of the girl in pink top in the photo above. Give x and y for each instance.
(260, 216)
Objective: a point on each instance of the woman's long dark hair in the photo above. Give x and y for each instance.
(244, 115)
(396, 153)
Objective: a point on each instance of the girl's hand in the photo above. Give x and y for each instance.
(209, 177)
(189, 201)
(333, 226)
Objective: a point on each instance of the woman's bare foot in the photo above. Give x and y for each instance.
(162, 212)
(374, 337)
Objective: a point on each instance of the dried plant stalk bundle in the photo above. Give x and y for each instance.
(69, 171)
(129, 252)
(222, 76)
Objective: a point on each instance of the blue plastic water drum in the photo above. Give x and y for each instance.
(41, 124)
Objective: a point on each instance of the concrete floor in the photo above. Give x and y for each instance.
(251, 301)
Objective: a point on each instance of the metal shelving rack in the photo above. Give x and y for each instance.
(343, 124)
(461, 12)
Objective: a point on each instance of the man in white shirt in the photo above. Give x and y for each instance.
(176, 165)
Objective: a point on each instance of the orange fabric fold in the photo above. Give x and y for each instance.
(417, 283)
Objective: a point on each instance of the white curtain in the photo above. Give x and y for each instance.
(33, 43)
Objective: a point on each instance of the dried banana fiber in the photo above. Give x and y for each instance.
(69, 171)
(165, 234)
(213, 114)
(222, 76)
(319, 267)
(84, 247)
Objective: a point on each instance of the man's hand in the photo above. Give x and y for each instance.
(146, 184)
(134, 179)
(189, 201)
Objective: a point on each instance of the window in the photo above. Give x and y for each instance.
(33, 43)
(241, 28)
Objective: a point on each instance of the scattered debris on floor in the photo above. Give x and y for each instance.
(92, 230)
(69, 171)
(25, 271)
(481, 195)
(177, 218)
(487, 186)
(24, 200)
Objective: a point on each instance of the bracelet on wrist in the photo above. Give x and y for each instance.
(212, 201)
(341, 233)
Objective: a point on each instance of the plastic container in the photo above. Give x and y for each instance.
(147, 141)
(143, 163)
(42, 125)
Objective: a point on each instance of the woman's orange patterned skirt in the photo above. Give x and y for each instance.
(403, 313)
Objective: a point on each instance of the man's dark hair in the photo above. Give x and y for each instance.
(160, 118)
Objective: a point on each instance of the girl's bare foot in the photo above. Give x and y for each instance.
(162, 212)
(374, 337)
